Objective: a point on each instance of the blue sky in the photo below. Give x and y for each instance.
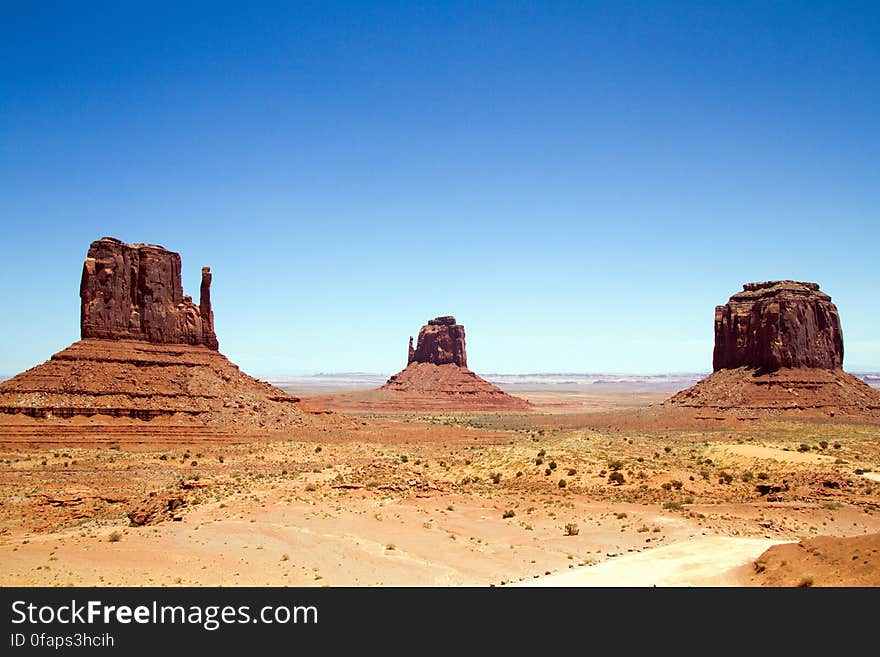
(578, 183)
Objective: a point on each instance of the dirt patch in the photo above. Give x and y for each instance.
(701, 561)
(778, 454)
(820, 561)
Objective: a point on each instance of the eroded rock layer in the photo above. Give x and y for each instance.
(786, 389)
(136, 379)
(425, 385)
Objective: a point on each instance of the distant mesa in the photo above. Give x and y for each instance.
(147, 353)
(779, 346)
(436, 375)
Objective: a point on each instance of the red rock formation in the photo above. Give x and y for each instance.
(441, 341)
(779, 347)
(437, 377)
(426, 386)
(156, 508)
(786, 389)
(134, 292)
(205, 310)
(148, 354)
(778, 324)
(144, 381)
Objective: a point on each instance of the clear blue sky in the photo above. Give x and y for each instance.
(578, 183)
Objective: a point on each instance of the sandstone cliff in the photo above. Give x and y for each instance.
(134, 292)
(778, 324)
(441, 342)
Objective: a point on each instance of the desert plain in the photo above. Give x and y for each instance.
(593, 485)
(141, 455)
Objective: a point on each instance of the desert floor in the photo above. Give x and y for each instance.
(455, 499)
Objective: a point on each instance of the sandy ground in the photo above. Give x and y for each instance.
(776, 454)
(852, 561)
(701, 561)
(364, 541)
(419, 499)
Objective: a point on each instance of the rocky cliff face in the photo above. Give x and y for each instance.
(134, 292)
(778, 349)
(147, 352)
(441, 342)
(778, 324)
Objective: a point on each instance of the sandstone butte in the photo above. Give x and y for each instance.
(134, 292)
(147, 353)
(437, 376)
(779, 347)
